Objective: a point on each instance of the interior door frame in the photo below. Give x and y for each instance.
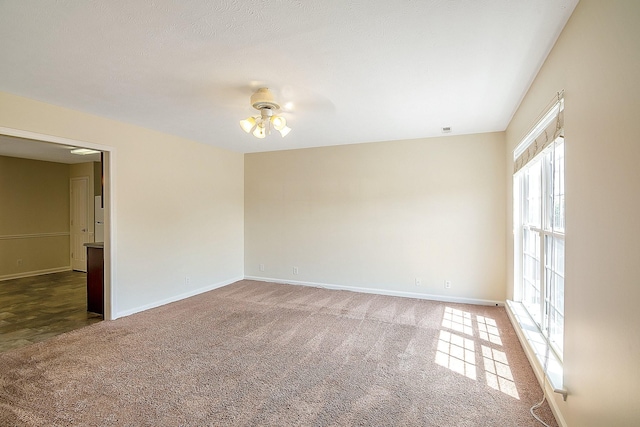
(108, 167)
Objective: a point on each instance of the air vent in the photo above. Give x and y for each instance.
(446, 129)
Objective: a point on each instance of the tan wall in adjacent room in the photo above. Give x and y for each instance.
(34, 217)
(380, 215)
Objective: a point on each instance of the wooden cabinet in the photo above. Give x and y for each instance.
(95, 278)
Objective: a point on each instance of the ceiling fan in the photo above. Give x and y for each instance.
(261, 125)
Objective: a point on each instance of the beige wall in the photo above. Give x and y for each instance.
(177, 205)
(380, 215)
(597, 61)
(34, 217)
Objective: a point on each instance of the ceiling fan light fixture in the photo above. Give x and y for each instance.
(263, 101)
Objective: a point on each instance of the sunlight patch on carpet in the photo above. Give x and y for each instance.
(498, 372)
(458, 353)
(457, 320)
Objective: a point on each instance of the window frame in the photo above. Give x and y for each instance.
(544, 280)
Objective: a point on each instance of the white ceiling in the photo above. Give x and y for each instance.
(355, 71)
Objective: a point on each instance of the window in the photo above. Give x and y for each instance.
(539, 239)
(537, 312)
(541, 204)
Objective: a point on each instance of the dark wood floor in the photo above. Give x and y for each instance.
(36, 308)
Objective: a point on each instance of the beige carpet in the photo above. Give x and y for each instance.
(261, 354)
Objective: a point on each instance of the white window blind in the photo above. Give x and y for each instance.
(546, 131)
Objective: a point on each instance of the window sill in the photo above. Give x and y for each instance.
(542, 358)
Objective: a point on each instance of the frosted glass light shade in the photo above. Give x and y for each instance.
(259, 132)
(279, 122)
(247, 124)
(284, 131)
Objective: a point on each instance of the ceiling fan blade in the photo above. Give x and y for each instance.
(296, 98)
(291, 98)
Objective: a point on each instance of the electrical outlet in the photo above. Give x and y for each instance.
(295, 270)
(447, 284)
(261, 267)
(187, 280)
(418, 282)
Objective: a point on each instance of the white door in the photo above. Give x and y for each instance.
(79, 223)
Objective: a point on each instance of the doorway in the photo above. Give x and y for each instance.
(106, 186)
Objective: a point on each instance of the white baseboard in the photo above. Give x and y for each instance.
(35, 273)
(443, 298)
(175, 298)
